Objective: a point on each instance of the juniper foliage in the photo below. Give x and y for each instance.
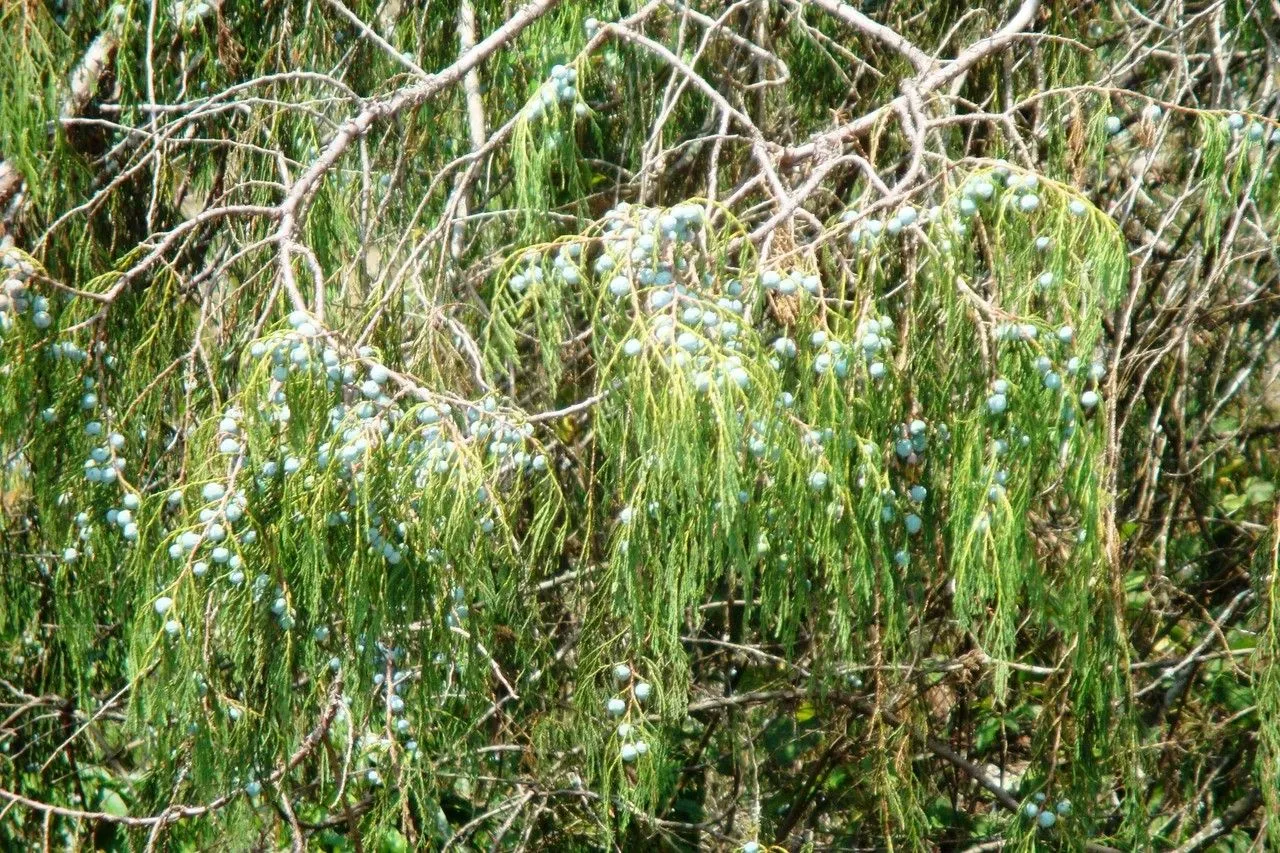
(661, 426)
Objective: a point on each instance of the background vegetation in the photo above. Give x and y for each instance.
(603, 425)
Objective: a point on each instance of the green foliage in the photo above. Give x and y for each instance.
(541, 495)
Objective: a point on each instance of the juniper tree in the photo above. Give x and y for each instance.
(764, 425)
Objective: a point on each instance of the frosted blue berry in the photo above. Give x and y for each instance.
(213, 492)
(913, 523)
(622, 672)
(1028, 202)
(1077, 207)
(253, 789)
(751, 847)
(632, 347)
(902, 558)
(688, 342)
(818, 480)
(1064, 807)
(997, 403)
(918, 493)
(162, 604)
(616, 707)
(628, 753)
(1031, 810)
(1089, 399)
(1052, 381)
(1047, 819)
(642, 691)
(1112, 125)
